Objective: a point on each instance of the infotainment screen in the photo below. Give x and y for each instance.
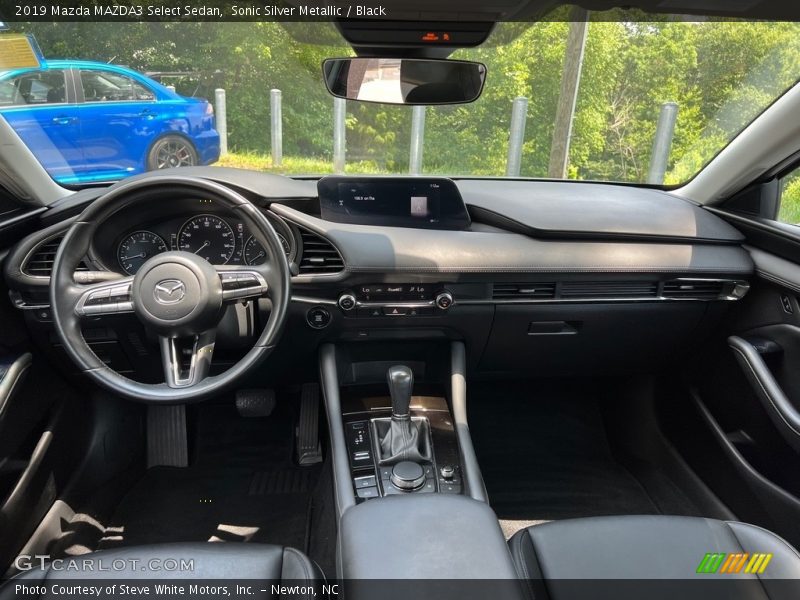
(429, 203)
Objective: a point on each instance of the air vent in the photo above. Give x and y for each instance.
(693, 290)
(40, 261)
(524, 291)
(319, 256)
(589, 290)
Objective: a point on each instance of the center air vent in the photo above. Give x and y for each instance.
(693, 289)
(40, 261)
(524, 291)
(580, 290)
(319, 256)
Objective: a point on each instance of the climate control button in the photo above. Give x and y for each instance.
(347, 301)
(444, 300)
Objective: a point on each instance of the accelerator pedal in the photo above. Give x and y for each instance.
(167, 444)
(255, 403)
(309, 450)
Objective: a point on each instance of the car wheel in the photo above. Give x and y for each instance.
(171, 151)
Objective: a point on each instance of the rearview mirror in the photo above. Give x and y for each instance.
(404, 80)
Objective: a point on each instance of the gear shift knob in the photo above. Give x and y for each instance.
(401, 383)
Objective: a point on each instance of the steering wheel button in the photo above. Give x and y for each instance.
(93, 309)
(100, 294)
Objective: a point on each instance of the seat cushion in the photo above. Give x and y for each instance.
(185, 561)
(609, 550)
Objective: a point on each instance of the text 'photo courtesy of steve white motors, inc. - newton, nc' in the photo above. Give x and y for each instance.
(197, 10)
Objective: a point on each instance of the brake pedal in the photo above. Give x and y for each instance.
(255, 403)
(309, 450)
(167, 444)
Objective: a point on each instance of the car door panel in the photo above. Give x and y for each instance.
(746, 387)
(115, 132)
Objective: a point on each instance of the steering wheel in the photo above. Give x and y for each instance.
(179, 295)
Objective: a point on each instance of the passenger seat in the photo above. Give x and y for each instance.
(613, 551)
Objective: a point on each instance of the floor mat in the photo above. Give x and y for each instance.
(241, 486)
(544, 454)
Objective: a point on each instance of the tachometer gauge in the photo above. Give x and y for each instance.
(254, 253)
(137, 248)
(209, 237)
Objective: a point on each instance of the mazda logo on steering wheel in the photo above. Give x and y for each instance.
(169, 291)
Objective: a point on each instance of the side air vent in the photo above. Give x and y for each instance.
(40, 261)
(693, 290)
(524, 291)
(588, 290)
(319, 256)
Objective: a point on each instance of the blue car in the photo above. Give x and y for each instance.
(90, 122)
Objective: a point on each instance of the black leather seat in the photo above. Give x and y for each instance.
(652, 556)
(209, 561)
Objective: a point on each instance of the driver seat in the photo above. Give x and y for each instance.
(181, 562)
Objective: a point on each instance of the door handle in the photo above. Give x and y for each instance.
(782, 412)
(64, 120)
(148, 114)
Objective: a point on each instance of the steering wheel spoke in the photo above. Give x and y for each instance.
(107, 298)
(243, 283)
(187, 361)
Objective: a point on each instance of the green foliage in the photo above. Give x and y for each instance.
(295, 165)
(721, 74)
(790, 200)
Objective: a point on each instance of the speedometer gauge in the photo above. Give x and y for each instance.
(208, 237)
(137, 248)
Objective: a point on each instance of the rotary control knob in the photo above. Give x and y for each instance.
(347, 301)
(447, 472)
(408, 476)
(444, 300)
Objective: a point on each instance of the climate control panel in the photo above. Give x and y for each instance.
(396, 300)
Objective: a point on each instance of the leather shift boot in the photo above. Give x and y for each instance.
(401, 442)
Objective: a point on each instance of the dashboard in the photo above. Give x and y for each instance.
(192, 225)
(586, 278)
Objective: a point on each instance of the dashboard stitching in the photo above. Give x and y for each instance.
(779, 280)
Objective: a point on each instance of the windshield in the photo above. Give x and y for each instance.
(647, 102)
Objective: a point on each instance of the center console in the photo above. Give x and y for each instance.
(406, 447)
(397, 418)
(410, 496)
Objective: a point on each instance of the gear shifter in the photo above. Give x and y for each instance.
(401, 384)
(402, 440)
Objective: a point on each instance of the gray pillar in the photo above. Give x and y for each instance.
(665, 130)
(516, 137)
(276, 130)
(417, 140)
(221, 114)
(339, 134)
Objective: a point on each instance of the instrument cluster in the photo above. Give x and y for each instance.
(216, 238)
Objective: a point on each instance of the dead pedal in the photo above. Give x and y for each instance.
(309, 450)
(255, 403)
